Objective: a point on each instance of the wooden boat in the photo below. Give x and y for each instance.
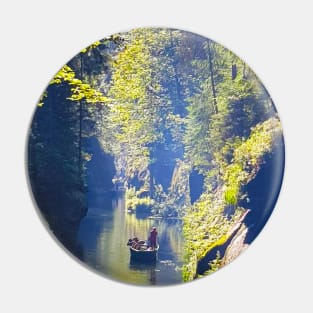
(141, 253)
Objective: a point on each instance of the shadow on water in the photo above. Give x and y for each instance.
(148, 268)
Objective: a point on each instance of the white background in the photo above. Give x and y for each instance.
(274, 38)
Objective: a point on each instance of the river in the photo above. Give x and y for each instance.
(105, 230)
(102, 238)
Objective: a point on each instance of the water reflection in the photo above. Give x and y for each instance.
(102, 240)
(149, 268)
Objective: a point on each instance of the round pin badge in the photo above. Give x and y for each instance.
(155, 156)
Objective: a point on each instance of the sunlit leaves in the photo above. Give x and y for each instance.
(170, 99)
(205, 225)
(136, 106)
(133, 199)
(42, 99)
(79, 89)
(92, 46)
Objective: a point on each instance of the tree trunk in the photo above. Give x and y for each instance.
(177, 83)
(80, 123)
(233, 71)
(212, 78)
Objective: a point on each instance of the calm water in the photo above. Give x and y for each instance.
(102, 239)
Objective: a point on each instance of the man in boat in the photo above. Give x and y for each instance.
(152, 240)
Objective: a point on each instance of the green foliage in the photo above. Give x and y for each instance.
(240, 105)
(247, 158)
(132, 199)
(79, 89)
(205, 225)
(131, 77)
(225, 143)
(231, 195)
(138, 119)
(42, 98)
(163, 99)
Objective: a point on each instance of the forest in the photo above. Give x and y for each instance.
(184, 124)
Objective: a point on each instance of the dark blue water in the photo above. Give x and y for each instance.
(102, 239)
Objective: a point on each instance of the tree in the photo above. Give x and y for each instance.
(55, 150)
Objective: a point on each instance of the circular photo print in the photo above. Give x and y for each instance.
(155, 156)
